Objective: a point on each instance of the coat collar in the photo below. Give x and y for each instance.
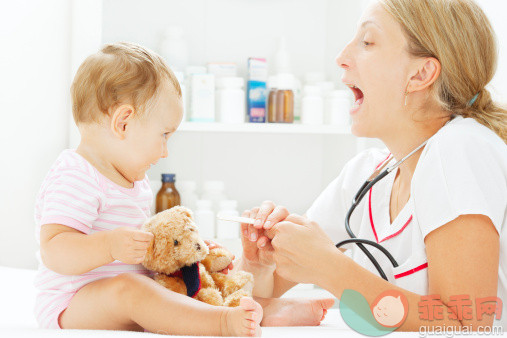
(379, 198)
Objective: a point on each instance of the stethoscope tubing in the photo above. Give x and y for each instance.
(374, 178)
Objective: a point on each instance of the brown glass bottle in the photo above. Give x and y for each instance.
(167, 196)
(285, 98)
(272, 105)
(285, 106)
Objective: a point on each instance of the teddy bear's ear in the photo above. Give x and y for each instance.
(183, 211)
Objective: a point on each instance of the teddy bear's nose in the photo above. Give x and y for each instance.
(198, 246)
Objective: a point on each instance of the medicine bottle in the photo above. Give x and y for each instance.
(226, 229)
(187, 194)
(214, 191)
(312, 106)
(230, 100)
(167, 196)
(285, 99)
(272, 87)
(205, 219)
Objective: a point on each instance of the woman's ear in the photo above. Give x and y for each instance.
(426, 74)
(120, 117)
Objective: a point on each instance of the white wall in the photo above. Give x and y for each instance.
(289, 169)
(495, 10)
(233, 30)
(34, 87)
(42, 45)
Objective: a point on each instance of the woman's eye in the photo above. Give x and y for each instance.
(366, 43)
(166, 135)
(176, 242)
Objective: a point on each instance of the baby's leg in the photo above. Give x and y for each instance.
(132, 302)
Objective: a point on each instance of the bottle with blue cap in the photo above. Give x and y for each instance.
(167, 196)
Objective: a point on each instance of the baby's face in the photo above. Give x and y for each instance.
(146, 137)
(389, 311)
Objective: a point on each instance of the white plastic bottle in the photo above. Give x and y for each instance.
(215, 192)
(226, 229)
(188, 194)
(230, 100)
(312, 106)
(173, 48)
(205, 219)
(337, 108)
(180, 76)
(202, 98)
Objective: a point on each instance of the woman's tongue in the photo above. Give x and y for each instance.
(359, 97)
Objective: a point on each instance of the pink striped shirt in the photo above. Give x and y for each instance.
(76, 195)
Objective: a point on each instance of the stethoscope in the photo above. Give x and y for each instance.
(374, 178)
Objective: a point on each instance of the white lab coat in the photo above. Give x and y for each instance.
(462, 170)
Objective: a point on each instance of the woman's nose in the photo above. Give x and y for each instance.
(342, 59)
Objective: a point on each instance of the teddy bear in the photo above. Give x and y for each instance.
(183, 262)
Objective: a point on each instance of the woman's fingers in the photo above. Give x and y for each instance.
(252, 232)
(244, 226)
(279, 214)
(295, 218)
(263, 242)
(265, 210)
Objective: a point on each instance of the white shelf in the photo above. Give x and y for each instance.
(271, 128)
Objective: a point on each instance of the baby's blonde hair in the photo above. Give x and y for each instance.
(119, 73)
(459, 35)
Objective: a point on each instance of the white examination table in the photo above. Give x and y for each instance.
(17, 296)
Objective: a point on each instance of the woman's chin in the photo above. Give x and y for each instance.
(357, 129)
(361, 126)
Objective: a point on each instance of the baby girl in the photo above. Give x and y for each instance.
(126, 103)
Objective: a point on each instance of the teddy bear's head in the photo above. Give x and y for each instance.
(176, 242)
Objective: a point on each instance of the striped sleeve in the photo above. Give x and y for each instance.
(71, 198)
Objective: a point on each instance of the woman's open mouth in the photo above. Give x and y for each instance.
(358, 98)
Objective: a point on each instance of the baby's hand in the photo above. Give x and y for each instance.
(212, 245)
(129, 245)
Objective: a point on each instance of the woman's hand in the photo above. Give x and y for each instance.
(301, 249)
(257, 249)
(212, 245)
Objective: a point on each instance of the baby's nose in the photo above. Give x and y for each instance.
(198, 246)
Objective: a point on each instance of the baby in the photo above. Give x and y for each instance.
(92, 203)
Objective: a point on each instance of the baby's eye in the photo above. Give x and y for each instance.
(166, 135)
(176, 242)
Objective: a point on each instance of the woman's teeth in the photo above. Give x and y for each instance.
(358, 98)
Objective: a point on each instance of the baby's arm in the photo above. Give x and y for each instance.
(70, 252)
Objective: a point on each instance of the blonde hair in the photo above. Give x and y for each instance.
(460, 36)
(119, 73)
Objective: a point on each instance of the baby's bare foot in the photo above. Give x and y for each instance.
(295, 311)
(244, 320)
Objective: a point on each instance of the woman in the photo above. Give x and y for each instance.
(416, 76)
